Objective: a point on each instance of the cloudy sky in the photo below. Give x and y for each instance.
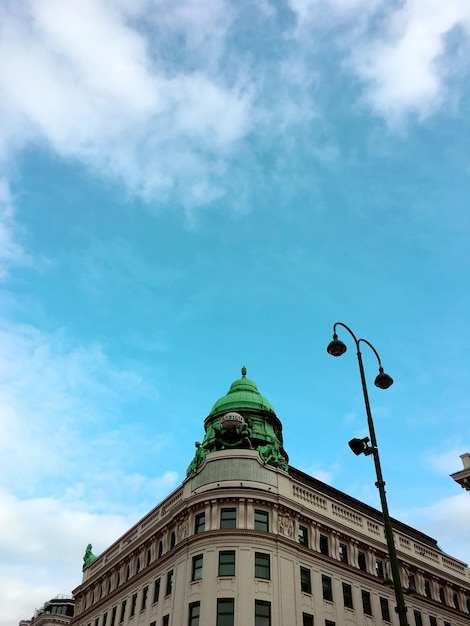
(189, 186)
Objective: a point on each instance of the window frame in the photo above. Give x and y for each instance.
(303, 536)
(193, 620)
(169, 583)
(196, 567)
(221, 618)
(327, 587)
(262, 620)
(263, 565)
(348, 599)
(261, 520)
(228, 517)
(230, 565)
(199, 523)
(366, 602)
(305, 580)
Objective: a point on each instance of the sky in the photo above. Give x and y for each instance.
(187, 187)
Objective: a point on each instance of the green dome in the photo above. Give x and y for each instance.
(243, 394)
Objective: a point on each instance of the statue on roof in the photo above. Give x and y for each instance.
(88, 557)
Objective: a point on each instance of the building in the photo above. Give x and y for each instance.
(463, 477)
(247, 540)
(55, 612)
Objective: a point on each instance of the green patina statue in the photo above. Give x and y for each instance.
(88, 557)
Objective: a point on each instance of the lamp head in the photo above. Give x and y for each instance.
(359, 446)
(336, 347)
(383, 380)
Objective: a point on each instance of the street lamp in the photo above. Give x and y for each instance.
(362, 446)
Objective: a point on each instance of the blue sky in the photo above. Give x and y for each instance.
(188, 187)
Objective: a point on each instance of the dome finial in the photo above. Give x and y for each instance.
(243, 371)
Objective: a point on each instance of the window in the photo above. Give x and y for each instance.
(172, 539)
(118, 580)
(196, 570)
(160, 548)
(262, 613)
(327, 588)
(145, 593)
(169, 582)
(379, 568)
(411, 583)
(113, 616)
(432, 621)
(456, 601)
(385, 609)
(442, 596)
(307, 619)
(200, 523)
(262, 565)
(166, 620)
(366, 603)
(361, 561)
(133, 604)
(324, 548)
(97, 621)
(227, 563)
(149, 557)
(225, 612)
(137, 568)
(447, 624)
(105, 619)
(123, 610)
(347, 596)
(156, 591)
(228, 518)
(427, 589)
(418, 618)
(328, 622)
(305, 580)
(128, 572)
(194, 611)
(343, 553)
(153, 623)
(303, 536)
(261, 520)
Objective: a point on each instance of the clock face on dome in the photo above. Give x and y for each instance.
(231, 420)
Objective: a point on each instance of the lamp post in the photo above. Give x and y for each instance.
(361, 446)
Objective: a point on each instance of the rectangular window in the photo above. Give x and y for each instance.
(172, 539)
(427, 589)
(160, 548)
(262, 565)
(113, 616)
(145, 593)
(123, 610)
(366, 603)
(307, 619)
(225, 612)
(418, 618)
(303, 536)
(153, 623)
(343, 553)
(385, 609)
(105, 619)
(379, 568)
(194, 611)
(156, 591)
(262, 613)
(228, 518)
(361, 561)
(169, 583)
(324, 547)
(347, 596)
(327, 588)
(227, 563)
(261, 520)
(166, 620)
(305, 580)
(196, 570)
(447, 624)
(328, 622)
(97, 620)
(200, 523)
(432, 621)
(133, 604)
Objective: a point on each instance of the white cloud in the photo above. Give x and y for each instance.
(399, 51)
(405, 67)
(42, 542)
(446, 520)
(84, 81)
